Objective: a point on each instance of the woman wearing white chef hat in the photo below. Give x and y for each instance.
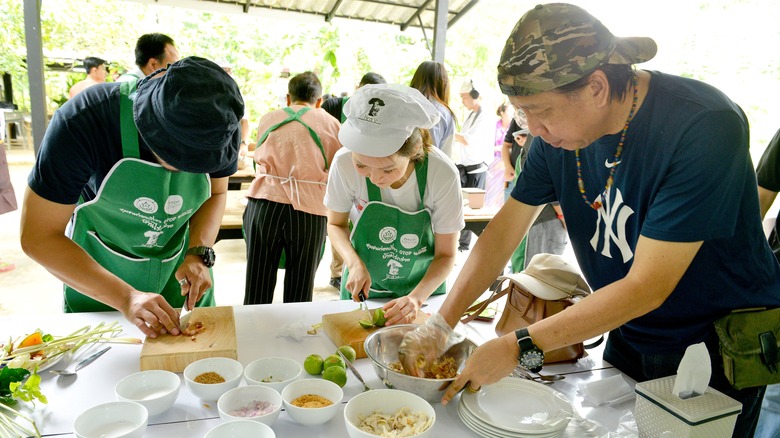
(403, 197)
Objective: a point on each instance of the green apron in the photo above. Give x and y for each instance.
(137, 227)
(293, 116)
(397, 246)
(517, 259)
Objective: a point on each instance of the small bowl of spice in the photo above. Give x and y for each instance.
(211, 377)
(312, 401)
(254, 402)
(273, 372)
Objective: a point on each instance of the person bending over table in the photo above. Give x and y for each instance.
(403, 196)
(654, 176)
(139, 180)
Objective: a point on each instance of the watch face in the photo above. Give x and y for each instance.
(532, 360)
(209, 257)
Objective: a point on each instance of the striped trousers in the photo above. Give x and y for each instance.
(270, 228)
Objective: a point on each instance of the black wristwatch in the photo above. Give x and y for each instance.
(531, 357)
(205, 253)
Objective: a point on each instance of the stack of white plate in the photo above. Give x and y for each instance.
(515, 407)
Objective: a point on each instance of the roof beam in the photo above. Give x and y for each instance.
(462, 12)
(333, 11)
(415, 16)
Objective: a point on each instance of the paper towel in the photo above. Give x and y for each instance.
(693, 373)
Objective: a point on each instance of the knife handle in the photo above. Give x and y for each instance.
(361, 296)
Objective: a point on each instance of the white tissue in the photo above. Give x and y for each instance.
(609, 391)
(693, 373)
(296, 330)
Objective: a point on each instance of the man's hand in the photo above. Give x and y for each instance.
(489, 363)
(359, 280)
(151, 314)
(198, 279)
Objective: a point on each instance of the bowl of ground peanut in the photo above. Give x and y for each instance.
(312, 401)
(211, 377)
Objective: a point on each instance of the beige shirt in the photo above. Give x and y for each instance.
(290, 166)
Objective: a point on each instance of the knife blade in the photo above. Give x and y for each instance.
(184, 316)
(362, 298)
(91, 358)
(354, 371)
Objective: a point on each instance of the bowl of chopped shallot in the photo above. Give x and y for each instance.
(253, 402)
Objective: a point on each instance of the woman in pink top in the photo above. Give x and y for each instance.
(285, 213)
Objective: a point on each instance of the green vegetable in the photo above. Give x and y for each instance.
(9, 376)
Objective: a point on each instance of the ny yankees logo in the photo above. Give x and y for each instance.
(614, 215)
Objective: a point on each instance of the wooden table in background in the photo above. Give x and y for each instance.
(233, 220)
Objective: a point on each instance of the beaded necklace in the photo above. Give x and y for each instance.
(595, 204)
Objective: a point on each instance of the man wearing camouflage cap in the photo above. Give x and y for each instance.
(654, 176)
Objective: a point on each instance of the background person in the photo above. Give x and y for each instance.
(285, 213)
(768, 176)
(432, 81)
(474, 147)
(153, 51)
(142, 195)
(622, 151)
(403, 197)
(96, 74)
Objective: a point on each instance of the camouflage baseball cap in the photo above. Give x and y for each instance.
(555, 44)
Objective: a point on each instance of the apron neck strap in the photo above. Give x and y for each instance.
(343, 116)
(296, 116)
(130, 148)
(421, 169)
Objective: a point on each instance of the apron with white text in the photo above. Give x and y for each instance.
(137, 227)
(397, 246)
(290, 179)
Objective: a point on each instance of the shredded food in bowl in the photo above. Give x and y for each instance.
(403, 423)
(442, 368)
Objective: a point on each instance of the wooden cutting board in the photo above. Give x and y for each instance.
(174, 353)
(344, 329)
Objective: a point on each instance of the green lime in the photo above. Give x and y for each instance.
(366, 324)
(313, 364)
(336, 375)
(379, 318)
(333, 359)
(348, 352)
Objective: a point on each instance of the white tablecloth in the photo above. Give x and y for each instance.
(256, 328)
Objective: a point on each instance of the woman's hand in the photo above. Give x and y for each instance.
(401, 310)
(358, 280)
(489, 363)
(151, 313)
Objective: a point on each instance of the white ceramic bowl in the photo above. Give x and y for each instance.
(119, 419)
(311, 416)
(231, 370)
(156, 390)
(243, 397)
(388, 401)
(241, 428)
(277, 372)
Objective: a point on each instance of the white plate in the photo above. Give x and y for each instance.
(486, 430)
(519, 405)
(50, 363)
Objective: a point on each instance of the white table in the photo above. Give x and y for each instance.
(256, 328)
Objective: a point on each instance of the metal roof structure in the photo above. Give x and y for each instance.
(434, 16)
(402, 13)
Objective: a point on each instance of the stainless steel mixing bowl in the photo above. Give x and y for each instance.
(382, 348)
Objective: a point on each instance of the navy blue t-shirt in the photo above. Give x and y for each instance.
(82, 144)
(685, 175)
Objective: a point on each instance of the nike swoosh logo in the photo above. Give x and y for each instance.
(609, 165)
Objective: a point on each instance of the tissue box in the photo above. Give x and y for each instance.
(710, 415)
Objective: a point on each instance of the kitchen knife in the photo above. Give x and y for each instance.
(184, 316)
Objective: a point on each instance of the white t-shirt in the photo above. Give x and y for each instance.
(347, 192)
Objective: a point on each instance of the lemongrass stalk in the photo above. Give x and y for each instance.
(10, 427)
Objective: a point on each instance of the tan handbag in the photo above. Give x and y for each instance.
(522, 309)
